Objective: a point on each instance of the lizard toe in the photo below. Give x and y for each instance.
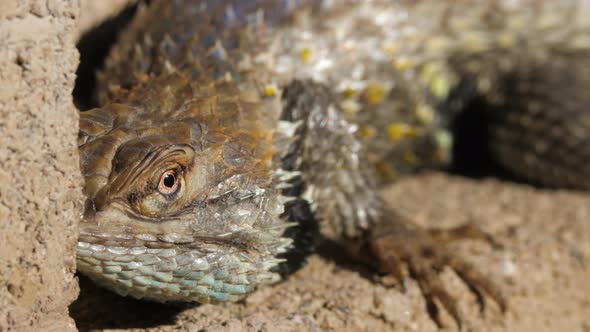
(399, 243)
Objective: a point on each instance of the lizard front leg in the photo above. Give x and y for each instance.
(342, 189)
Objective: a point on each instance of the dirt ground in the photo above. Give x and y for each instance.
(543, 266)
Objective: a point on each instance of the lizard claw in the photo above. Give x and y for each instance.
(398, 242)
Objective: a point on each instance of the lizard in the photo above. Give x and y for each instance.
(231, 133)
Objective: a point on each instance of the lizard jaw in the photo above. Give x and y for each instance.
(202, 267)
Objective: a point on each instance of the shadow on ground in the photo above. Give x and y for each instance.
(99, 309)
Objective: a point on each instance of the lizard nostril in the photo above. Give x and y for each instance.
(168, 182)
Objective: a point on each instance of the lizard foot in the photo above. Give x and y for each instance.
(425, 253)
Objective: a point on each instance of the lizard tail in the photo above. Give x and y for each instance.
(541, 128)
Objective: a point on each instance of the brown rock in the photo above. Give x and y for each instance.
(40, 182)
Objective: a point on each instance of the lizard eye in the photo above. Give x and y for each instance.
(168, 182)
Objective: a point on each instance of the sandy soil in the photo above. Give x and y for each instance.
(543, 268)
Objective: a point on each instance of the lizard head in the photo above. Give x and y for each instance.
(182, 201)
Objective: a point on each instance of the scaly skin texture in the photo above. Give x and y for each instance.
(228, 127)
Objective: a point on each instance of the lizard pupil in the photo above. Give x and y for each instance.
(169, 180)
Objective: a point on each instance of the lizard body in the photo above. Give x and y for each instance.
(227, 127)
